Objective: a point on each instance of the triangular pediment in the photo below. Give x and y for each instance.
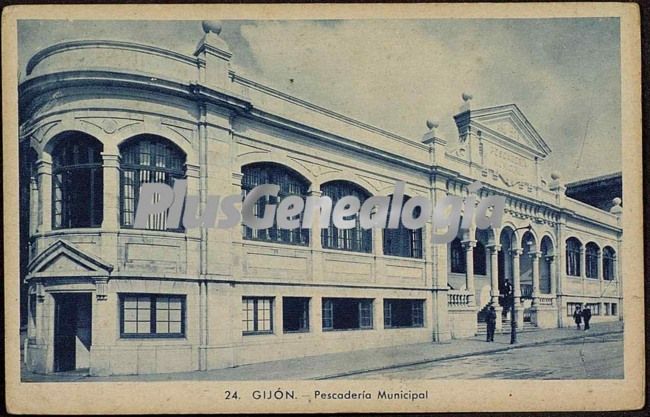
(64, 258)
(507, 126)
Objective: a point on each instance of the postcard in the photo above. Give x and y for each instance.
(322, 208)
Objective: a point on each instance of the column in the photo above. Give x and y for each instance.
(44, 172)
(494, 273)
(111, 176)
(553, 290)
(583, 267)
(516, 284)
(469, 269)
(494, 282)
(535, 258)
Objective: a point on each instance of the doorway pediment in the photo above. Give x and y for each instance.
(63, 258)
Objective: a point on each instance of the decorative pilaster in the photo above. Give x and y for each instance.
(314, 240)
(192, 176)
(44, 172)
(111, 176)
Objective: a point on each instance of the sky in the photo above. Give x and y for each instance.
(564, 74)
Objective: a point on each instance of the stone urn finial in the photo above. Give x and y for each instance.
(432, 125)
(213, 26)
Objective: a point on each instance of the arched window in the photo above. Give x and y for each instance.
(355, 239)
(402, 241)
(573, 247)
(480, 260)
(146, 159)
(457, 257)
(591, 260)
(77, 182)
(608, 263)
(290, 184)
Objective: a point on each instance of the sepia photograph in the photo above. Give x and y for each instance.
(365, 207)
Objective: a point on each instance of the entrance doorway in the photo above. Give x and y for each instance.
(72, 331)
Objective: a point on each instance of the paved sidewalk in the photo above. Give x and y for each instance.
(350, 363)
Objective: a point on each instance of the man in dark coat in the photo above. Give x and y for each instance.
(586, 316)
(577, 316)
(507, 294)
(491, 321)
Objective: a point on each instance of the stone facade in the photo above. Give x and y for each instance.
(221, 122)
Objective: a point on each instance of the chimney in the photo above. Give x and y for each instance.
(215, 55)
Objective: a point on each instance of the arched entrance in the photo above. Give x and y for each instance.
(507, 240)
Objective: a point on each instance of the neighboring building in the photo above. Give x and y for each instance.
(599, 191)
(105, 116)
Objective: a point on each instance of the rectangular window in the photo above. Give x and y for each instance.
(257, 315)
(347, 313)
(606, 308)
(295, 314)
(571, 308)
(403, 313)
(595, 308)
(152, 315)
(614, 309)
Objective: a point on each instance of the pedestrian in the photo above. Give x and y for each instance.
(507, 294)
(491, 320)
(577, 316)
(586, 316)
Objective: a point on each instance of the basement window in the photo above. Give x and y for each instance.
(152, 315)
(257, 315)
(347, 313)
(403, 313)
(295, 314)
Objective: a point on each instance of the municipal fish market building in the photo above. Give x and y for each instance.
(99, 118)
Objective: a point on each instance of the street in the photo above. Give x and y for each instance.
(590, 357)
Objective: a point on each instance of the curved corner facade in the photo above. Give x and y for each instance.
(98, 118)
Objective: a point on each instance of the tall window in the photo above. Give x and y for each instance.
(457, 255)
(355, 239)
(77, 181)
(146, 159)
(608, 263)
(403, 313)
(290, 184)
(152, 315)
(257, 315)
(402, 241)
(591, 260)
(347, 313)
(573, 247)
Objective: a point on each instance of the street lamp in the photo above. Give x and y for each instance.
(513, 319)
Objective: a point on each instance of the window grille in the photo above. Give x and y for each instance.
(148, 159)
(290, 184)
(355, 239)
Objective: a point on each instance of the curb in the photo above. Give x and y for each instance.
(460, 355)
